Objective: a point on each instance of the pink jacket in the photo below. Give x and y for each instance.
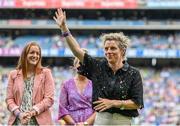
(43, 95)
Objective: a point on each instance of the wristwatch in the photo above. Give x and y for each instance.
(122, 105)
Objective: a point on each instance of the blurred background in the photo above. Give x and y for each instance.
(152, 25)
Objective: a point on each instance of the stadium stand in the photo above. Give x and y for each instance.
(152, 25)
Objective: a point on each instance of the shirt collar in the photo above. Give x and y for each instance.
(124, 68)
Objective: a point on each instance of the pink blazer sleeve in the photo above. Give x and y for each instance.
(11, 105)
(48, 100)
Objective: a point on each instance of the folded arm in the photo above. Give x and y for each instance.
(103, 104)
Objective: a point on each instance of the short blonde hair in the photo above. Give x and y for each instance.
(122, 40)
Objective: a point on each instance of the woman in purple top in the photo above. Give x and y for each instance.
(75, 101)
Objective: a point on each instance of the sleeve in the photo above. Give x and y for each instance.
(48, 100)
(11, 105)
(136, 91)
(90, 66)
(63, 102)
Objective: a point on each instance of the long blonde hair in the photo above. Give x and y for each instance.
(22, 63)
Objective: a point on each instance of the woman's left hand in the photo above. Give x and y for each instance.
(33, 112)
(103, 104)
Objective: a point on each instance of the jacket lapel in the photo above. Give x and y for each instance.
(20, 82)
(37, 80)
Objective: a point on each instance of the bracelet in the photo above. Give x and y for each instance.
(65, 34)
(17, 114)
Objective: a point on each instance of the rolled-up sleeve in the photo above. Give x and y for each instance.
(136, 92)
(63, 102)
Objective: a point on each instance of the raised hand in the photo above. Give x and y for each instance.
(60, 18)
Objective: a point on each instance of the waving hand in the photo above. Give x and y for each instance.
(60, 18)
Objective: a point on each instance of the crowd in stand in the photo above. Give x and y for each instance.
(78, 14)
(161, 98)
(161, 101)
(153, 41)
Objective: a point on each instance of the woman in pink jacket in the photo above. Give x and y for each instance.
(30, 91)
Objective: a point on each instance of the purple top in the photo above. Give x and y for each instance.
(71, 102)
